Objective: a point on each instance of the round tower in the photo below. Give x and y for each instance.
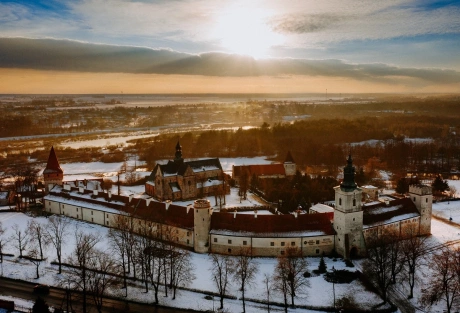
(201, 225)
(348, 215)
(53, 173)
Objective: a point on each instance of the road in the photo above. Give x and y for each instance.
(56, 298)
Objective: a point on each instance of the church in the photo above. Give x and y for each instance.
(184, 180)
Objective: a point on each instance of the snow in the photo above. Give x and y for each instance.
(113, 139)
(14, 267)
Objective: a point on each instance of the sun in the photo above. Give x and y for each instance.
(244, 30)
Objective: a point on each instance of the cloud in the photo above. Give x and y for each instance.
(299, 24)
(67, 55)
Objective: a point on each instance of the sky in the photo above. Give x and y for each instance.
(217, 46)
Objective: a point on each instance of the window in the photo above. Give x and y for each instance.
(107, 216)
(77, 215)
(353, 219)
(188, 233)
(107, 222)
(305, 242)
(230, 241)
(229, 250)
(215, 239)
(282, 244)
(49, 202)
(317, 251)
(77, 209)
(272, 244)
(317, 242)
(188, 241)
(293, 243)
(92, 219)
(354, 202)
(91, 212)
(282, 252)
(426, 200)
(245, 243)
(414, 199)
(340, 201)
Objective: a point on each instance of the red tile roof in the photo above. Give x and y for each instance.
(260, 170)
(272, 223)
(53, 164)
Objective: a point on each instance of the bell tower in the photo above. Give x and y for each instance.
(348, 215)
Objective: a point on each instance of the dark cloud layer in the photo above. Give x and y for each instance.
(300, 24)
(66, 55)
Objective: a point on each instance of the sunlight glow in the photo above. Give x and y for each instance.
(244, 30)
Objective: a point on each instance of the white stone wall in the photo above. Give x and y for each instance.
(272, 246)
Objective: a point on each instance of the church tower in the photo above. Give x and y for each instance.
(178, 156)
(53, 173)
(348, 215)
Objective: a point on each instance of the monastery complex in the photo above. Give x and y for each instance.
(342, 228)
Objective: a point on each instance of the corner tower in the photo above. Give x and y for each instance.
(290, 167)
(53, 173)
(422, 196)
(348, 215)
(201, 225)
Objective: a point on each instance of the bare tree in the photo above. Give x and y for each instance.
(413, 249)
(290, 268)
(37, 236)
(268, 285)
(3, 241)
(245, 270)
(182, 274)
(56, 233)
(280, 280)
(21, 239)
(80, 260)
(378, 264)
(34, 257)
(102, 275)
(222, 269)
(119, 241)
(444, 282)
(396, 256)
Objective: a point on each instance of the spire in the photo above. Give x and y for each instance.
(178, 156)
(289, 158)
(53, 164)
(348, 183)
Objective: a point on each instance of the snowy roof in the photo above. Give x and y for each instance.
(173, 215)
(173, 168)
(396, 210)
(322, 208)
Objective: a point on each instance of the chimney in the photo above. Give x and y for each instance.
(147, 201)
(66, 187)
(295, 214)
(255, 213)
(167, 204)
(81, 189)
(188, 207)
(95, 193)
(109, 194)
(234, 213)
(130, 197)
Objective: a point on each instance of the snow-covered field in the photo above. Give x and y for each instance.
(318, 294)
